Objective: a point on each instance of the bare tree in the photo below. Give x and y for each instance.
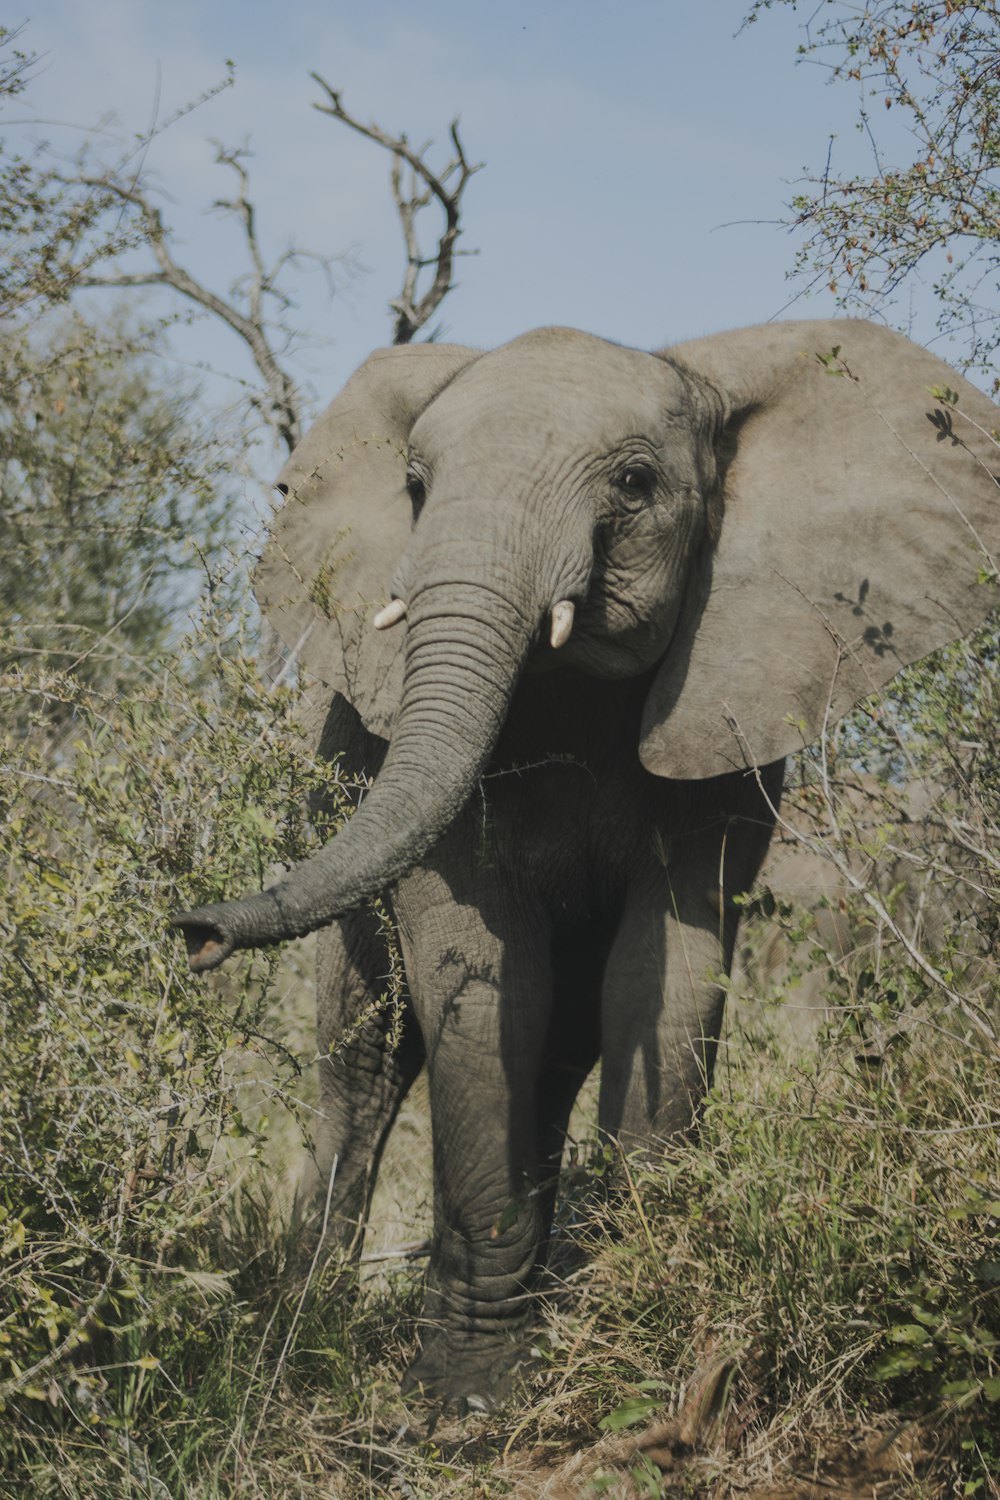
(425, 186)
(256, 305)
(246, 311)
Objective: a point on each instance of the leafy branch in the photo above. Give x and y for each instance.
(935, 66)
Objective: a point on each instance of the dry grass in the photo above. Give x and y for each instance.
(724, 1334)
(814, 1275)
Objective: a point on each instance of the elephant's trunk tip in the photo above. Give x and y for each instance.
(208, 944)
(213, 932)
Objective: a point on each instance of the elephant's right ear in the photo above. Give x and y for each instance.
(345, 523)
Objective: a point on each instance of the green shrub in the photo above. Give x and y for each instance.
(128, 1112)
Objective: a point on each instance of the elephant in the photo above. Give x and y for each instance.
(573, 604)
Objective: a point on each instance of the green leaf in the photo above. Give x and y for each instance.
(960, 1391)
(647, 1478)
(507, 1219)
(892, 1365)
(635, 1409)
(908, 1333)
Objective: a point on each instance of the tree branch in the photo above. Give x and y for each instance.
(413, 311)
(281, 409)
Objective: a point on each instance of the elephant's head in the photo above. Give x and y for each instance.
(781, 518)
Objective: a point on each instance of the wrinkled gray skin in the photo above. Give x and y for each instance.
(557, 894)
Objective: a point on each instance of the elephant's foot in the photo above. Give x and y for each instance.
(461, 1375)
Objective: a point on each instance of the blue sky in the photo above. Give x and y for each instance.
(636, 156)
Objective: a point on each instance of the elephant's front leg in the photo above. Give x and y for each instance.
(663, 998)
(480, 979)
(363, 1078)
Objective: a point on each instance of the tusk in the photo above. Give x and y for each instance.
(562, 623)
(391, 615)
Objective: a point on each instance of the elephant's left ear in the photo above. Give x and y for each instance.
(346, 520)
(861, 515)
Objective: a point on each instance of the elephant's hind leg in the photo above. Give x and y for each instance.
(664, 989)
(572, 1048)
(363, 1077)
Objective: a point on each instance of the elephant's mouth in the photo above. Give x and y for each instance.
(611, 638)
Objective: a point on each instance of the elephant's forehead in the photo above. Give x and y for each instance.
(559, 386)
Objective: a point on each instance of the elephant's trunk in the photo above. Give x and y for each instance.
(465, 646)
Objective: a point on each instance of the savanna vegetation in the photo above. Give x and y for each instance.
(801, 1301)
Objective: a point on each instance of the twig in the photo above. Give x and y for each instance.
(413, 312)
(290, 1335)
(281, 411)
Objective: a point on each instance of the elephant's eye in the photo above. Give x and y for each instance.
(637, 481)
(417, 491)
